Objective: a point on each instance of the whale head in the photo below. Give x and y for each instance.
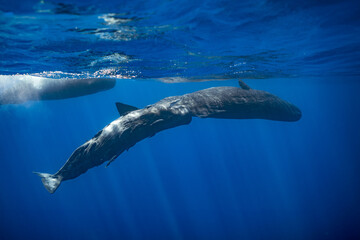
(275, 108)
(240, 103)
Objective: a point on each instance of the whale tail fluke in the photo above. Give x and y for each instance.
(51, 182)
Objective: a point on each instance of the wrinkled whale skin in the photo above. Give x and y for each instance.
(134, 126)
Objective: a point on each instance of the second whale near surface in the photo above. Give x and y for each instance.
(18, 89)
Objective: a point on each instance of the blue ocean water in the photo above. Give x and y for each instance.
(212, 179)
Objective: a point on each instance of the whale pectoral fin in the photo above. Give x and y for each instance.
(124, 109)
(111, 160)
(243, 85)
(51, 182)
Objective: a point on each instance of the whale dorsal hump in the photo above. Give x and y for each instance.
(124, 109)
(243, 85)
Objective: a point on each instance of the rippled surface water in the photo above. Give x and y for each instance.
(185, 39)
(212, 179)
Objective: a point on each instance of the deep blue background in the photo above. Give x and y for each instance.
(212, 179)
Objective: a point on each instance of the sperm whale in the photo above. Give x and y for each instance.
(17, 89)
(136, 124)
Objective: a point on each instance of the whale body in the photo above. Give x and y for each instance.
(137, 124)
(18, 89)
